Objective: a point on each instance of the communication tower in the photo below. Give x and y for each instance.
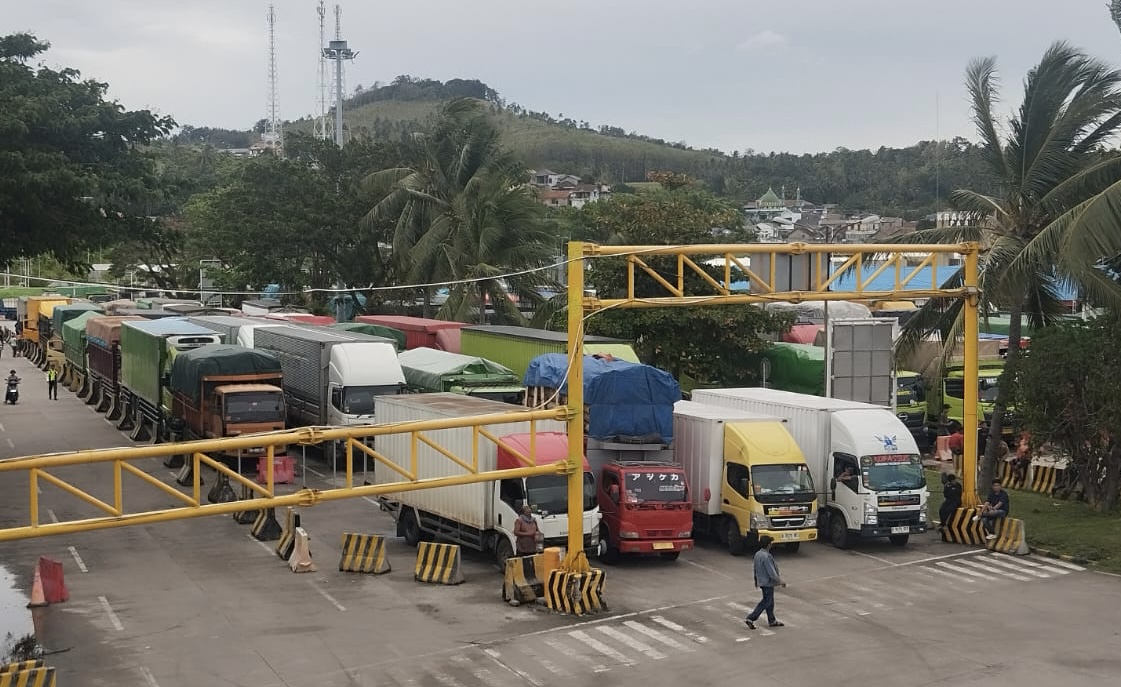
(273, 137)
(338, 51)
(323, 127)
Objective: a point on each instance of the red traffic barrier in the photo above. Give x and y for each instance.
(49, 587)
(283, 470)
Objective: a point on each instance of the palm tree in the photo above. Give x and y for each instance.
(1055, 214)
(463, 213)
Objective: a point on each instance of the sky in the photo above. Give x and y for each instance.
(791, 75)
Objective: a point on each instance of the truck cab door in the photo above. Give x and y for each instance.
(842, 495)
(609, 492)
(735, 492)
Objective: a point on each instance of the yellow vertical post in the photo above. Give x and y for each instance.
(269, 453)
(969, 415)
(575, 559)
(33, 482)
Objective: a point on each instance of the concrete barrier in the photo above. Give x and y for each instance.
(575, 593)
(1044, 478)
(1010, 538)
(35, 677)
(524, 580)
(288, 534)
(29, 664)
(300, 561)
(1008, 476)
(265, 527)
(438, 563)
(963, 530)
(246, 517)
(363, 553)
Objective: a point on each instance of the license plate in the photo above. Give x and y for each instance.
(901, 530)
(789, 536)
(662, 545)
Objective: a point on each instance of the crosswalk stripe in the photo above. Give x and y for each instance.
(573, 655)
(480, 673)
(545, 663)
(670, 625)
(1012, 566)
(584, 637)
(657, 636)
(867, 594)
(748, 609)
(965, 571)
(624, 638)
(806, 613)
(1047, 562)
(995, 571)
(445, 679)
(946, 573)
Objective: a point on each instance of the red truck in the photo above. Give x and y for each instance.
(419, 331)
(645, 508)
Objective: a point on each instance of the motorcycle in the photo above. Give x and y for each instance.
(12, 394)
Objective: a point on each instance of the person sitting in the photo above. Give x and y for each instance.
(848, 478)
(951, 492)
(995, 507)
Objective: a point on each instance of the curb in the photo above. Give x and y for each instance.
(1079, 560)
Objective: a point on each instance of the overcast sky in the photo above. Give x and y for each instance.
(787, 75)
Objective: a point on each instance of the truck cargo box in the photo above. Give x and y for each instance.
(219, 360)
(515, 347)
(144, 352)
(74, 338)
(419, 331)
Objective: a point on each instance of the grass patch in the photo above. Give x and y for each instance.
(1063, 527)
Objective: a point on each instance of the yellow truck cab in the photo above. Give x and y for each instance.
(747, 476)
(988, 383)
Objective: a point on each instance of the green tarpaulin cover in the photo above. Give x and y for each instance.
(427, 367)
(218, 359)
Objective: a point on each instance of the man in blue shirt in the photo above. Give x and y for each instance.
(995, 507)
(766, 579)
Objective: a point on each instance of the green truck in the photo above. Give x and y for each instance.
(50, 330)
(145, 366)
(74, 352)
(430, 370)
(953, 395)
(516, 347)
(395, 335)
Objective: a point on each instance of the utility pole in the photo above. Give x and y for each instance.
(338, 51)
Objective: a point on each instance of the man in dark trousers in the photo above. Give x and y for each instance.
(995, 507)
(766, 579)
(951, 491)
(52, 382)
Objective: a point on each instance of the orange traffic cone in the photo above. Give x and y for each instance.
(37, 597)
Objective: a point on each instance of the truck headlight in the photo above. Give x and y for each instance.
(871, 515)
(623, 534)
(811, 520)
(685, 533)
(922, 515)
(595, 539)
(759, 521)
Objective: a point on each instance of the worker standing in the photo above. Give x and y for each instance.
(52, 382)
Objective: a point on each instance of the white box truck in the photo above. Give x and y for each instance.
(886, 497)
(481, 515)
(747, 476)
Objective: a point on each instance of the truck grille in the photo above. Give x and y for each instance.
(659, 533)
(787, 523)
(899, 517)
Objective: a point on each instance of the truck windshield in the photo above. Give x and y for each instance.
(258, 406)
(549, 493)
(776, 483)
(908, 390)
(359, 400)
(892, 472)
(987, 389)
(655, 486)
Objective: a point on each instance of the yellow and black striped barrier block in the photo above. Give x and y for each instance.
(962, 529)
(1009, 477)
(363, 553)
(1010, 537)
(266, 527)
(34, 677)
(29, 664)
(438, 563)
(524, 580)
(575, 593)
(1044, 478)
(287, 540)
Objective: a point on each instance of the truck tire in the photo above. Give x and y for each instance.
(611, 554)
(793, 547)
(839, 532)
(736, 545)
(502, 552)
(899, 539)
(411, 525)
(670, 555)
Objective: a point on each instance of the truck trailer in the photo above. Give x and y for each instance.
(516, 347)
(103, 361)
(419, 331)
(74, 352)
(886, 498)
(428, 370)
(481, 515)
(748, 476)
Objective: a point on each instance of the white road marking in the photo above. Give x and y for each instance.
(11, 444)
(78, 560)
(446, 680)
(148, 677)
(2, 428)
(931, 559)
(1023, 560)
(657, 636)
(850, 609)
(746, 610)
(173, 473)
(325, 595)
(581, 636)
(1035, 571)
(372, 501)
(996, 571)
(875, 558)
(264, 546)
(112, 615)
(670, 625)
(574, 655)
(1060, 563)
(313, 471)
(624, 638)
(964, 571)
(53, 517)
(484, 674)
(944, 573)
(711, 570)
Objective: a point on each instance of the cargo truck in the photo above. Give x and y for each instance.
(642, 493)
(396, 335)
(887, 495)
(481, 515)
(225, 390)
(158, 303)
(749, 477)
(235, 329)
(331, 377)
(31, 308)
(103, 361)
(428, 370)
(50, 329)
(419, 331)
(146, 363)
(74, 349)
(953, 395)
(516, 347)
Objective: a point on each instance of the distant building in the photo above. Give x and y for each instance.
(543, 177)
(565, 190)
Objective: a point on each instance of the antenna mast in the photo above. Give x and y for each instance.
(323, 84)
(273, 137)
(338, 51)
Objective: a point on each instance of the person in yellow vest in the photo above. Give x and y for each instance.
(52, 382)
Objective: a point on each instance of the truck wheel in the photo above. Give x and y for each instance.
(412, 527)
(794, 546)
(839, 531)
(735, 539)
(611, 554)
(899, 539)
(670, 555)
(502, 552)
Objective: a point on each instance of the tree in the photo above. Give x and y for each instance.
(73, 177)
(1050, 223)
(1067, 396)
(463, 215)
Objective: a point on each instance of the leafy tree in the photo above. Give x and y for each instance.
(72, 177)
(1050, 223)
(1067, 396)
(462, 213)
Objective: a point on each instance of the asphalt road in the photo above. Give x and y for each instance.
(200, 602)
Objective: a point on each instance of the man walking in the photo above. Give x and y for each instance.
(52, 383)
(766, 579)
